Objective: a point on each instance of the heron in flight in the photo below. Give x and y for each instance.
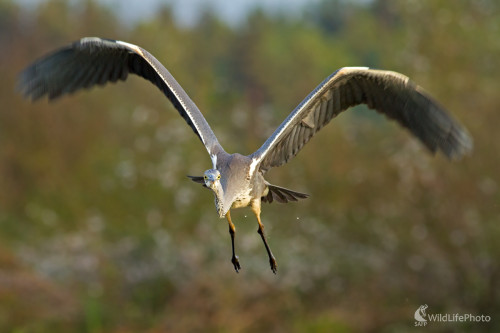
(238, 180)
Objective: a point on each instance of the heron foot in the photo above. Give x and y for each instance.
(236, 263)
(274, 264)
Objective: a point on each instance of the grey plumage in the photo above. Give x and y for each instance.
(96, 61)
(390, 93)
(237, 180)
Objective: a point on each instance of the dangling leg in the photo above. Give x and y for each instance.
(232, 232)
(272, 260)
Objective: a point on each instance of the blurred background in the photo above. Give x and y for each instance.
(101, 231)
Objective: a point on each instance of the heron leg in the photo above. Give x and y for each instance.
(272, 260)
(232, 232)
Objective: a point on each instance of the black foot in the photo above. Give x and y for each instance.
(236, 263)
(274, 265)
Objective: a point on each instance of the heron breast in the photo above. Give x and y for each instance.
(242, 201)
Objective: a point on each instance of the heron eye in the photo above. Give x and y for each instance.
(218, 177)
(205, 177)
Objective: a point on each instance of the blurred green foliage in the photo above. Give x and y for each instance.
(101, 231)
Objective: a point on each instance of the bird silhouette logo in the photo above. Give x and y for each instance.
(420, 313)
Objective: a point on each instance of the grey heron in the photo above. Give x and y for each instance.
(238, 180)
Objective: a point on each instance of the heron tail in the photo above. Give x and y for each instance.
(282, 195)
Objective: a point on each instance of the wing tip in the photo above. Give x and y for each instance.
(27, 86)
(464, 145)
(457, 144)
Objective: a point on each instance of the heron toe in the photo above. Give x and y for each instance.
(236, 263)
(274, 265)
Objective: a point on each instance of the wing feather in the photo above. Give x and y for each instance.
(389, 93)
(94, 61)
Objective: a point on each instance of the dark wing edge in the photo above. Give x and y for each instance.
(198, 179)
(94, 61)
(389, 93)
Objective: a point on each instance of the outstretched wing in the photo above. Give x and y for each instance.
(96, 61)
(390, 93)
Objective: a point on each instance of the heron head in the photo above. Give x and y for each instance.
(213, 181)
